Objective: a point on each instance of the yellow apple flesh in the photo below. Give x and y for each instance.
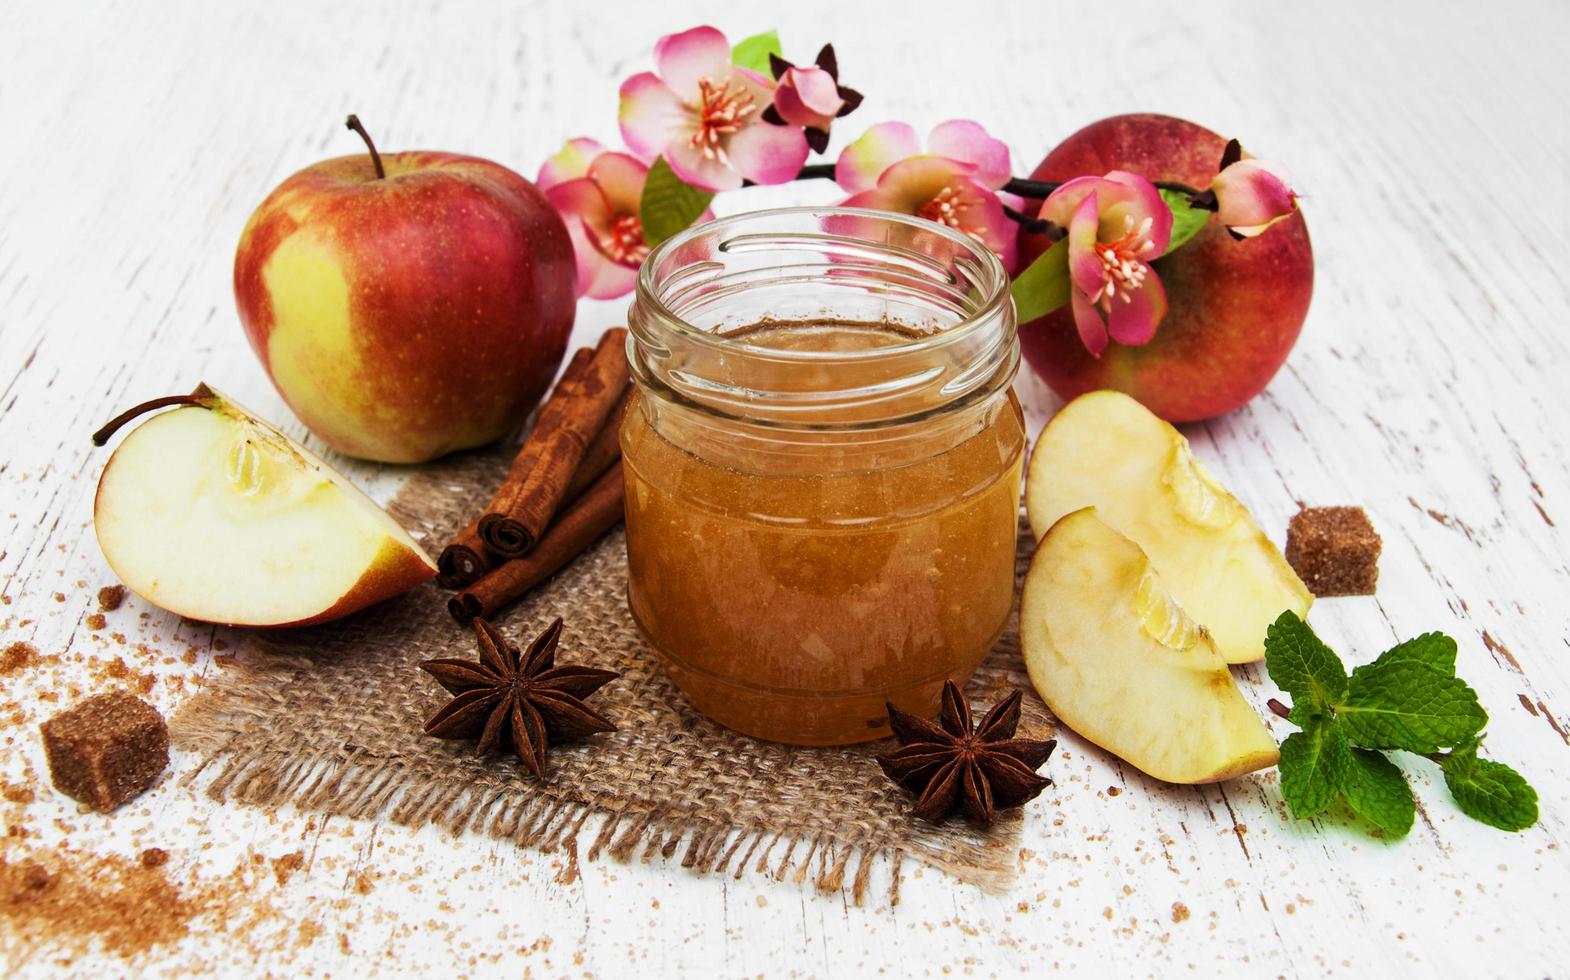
(211, 513)
(1119, 661)
(1106, 450)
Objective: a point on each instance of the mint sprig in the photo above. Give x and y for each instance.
(1409, 699)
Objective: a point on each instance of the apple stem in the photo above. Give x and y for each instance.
(1278, 709)
(353, 122)
(202, 396)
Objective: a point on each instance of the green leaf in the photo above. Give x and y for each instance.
(1407, 704)
(1490, 791)
(1307, 773)
(669, 205)
(1304, 667)
(753, 52)
(1375, 790)
(1044, 285)
(1434, 650)
(1186, 220)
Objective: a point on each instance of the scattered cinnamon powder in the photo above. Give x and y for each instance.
(154, 857)
(110, 597)
(362, 883)
(284, 867)
(17, 793)
(96, 621)
(1179, 912)
(18, 656)
(71, 899)
(59, 596)
(140, 681)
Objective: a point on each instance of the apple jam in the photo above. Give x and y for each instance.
(821, 509)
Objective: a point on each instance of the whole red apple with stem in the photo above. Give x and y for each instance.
(1235, 308)
(407, 305)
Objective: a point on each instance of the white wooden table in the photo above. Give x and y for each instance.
(1429, 386)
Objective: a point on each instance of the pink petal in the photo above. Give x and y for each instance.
(620, 176)
(682, 59)
(909, 184)
(1252, 195)
(1087, 320)
(767, 154)
(1085, 268)
(610, 279)
(1136, 315)
(962, 139)
(584, 211)
(651, 115)
(689, 163)
(1140, 199)
(808, 97)
(1060, 205)
(880, 147)
(570, 162)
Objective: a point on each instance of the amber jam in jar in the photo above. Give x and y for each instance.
(822, 466)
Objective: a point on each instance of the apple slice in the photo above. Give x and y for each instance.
(1120, 662)
(1106, 450)
(209, 512)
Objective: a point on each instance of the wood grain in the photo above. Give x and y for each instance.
(1429, 387)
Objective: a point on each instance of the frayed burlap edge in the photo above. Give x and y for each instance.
(532, 816)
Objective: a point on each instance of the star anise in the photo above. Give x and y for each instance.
(524, 697)
(951, 767)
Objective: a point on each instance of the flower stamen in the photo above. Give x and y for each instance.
(948, 208)
(623, 242)
(722, 111)
(1123, 263)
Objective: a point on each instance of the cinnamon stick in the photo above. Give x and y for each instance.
(537, 482)
(467, 559)
(602, 452)
(463, 561)
(594, 513)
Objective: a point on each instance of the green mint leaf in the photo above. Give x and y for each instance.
(1044, 285)
(669, 205)
(1186, 220)
(1489, 791)
(753, 52)
(1375, 790)
(1307, 773)
(1406, 704)
(1304, 667)
(1434, 650)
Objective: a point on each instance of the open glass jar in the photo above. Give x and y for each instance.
(822, 466)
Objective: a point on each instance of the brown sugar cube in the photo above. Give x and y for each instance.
(1334, 550)
(106, 749)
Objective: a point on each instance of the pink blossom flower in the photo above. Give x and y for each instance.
(597, 193)
(810, 97)
(1251, 195)
(954, 183)
(1116, 225)
(705, 116)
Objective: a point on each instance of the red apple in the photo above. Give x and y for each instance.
(407, 305)
(1236, 307)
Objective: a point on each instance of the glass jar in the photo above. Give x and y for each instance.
(822, 466)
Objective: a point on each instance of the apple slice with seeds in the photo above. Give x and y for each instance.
(1120, 662)
(211, 513)
(1106, 450)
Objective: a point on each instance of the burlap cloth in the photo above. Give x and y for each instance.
(328, 719)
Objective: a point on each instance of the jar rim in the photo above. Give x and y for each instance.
(647, 294)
